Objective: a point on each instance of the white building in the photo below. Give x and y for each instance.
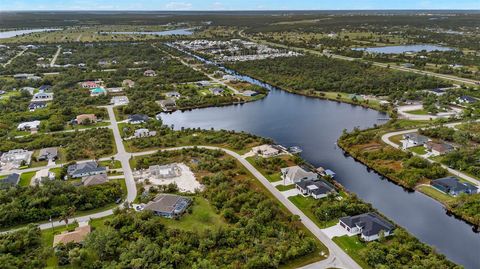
(29, 125)
(296, 174)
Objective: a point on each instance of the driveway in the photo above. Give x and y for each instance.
(334, 231)
(289, 193)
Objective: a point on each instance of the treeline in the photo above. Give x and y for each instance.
(19, 205)
(467, 207)
(89, 144)
(398, 165)
(326, 74)
(167, 137)
(22, 249)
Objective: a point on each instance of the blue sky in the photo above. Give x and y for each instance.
(234, 4)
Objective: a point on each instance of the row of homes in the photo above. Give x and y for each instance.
(434, 148)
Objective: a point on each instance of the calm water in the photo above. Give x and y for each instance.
(161, 33)
(9, 34)
(405, 48)
(315, 125)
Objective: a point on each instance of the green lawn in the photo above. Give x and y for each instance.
(47, 241)
(26, 177)
(418, 112)
(202, 216)
(352, 245)
(112, 165)
(419, 150)
(306, 204)
(435, 194)
(396, 139)
(285, 188)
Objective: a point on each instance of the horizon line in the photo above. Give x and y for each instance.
(229, 10)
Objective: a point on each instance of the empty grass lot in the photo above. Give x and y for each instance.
(352, 246)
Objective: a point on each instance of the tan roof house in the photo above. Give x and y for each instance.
(76, 236)
(128, 83)
(83, 117)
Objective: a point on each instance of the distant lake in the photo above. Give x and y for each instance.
(9, 34)
(404, 48)
(161, 33)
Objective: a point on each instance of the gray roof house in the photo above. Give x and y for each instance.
(216, 91)
(296, 174)
(413, 140)
(168, 205)
(453, 186)
(316, 189)
(172, 94)
(94, 180)
(10, 181)
(85, 169)
(165, 171)
(368, 225)
(36, 105)
(137, 118)
(48, 154)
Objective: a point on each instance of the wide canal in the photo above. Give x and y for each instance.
(315, 125)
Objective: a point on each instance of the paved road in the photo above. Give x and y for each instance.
(403, 112)
(391, 66)
(386, 140)
(123, 157)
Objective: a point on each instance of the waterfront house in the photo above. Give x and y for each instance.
(86, 118)
(137, 118)
(48, 154)
(168, 104)
(249, 93)
(453, 186)
(77, 236)
(84, 169)
(266, 151)
(216, 91)
(413, 140)
(437, 149)
(368, 225)
(168, 205)
(315, 189)
(296, 174)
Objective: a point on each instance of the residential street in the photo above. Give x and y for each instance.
(386, 140)
(337, 257)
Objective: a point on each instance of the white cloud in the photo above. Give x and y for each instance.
(178, 6)
(218, 6)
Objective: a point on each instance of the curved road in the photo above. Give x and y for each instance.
(386, 139)
(337, 257)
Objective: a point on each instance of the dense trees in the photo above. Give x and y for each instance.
(403, 251)
(326, 74)
(89, 144)
(166, 137)
(22, 249)
(467, 206)
(20, 205)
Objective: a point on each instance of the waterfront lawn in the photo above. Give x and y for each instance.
(435, 194)
(26, 177)
(306, 204)
(418, 150)
(285, 187)
(352, 246)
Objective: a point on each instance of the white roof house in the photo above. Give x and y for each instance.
(119, 100)
(295, 174)
(15, 157)
(42, 96)
(29, 125)
(165, 171)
